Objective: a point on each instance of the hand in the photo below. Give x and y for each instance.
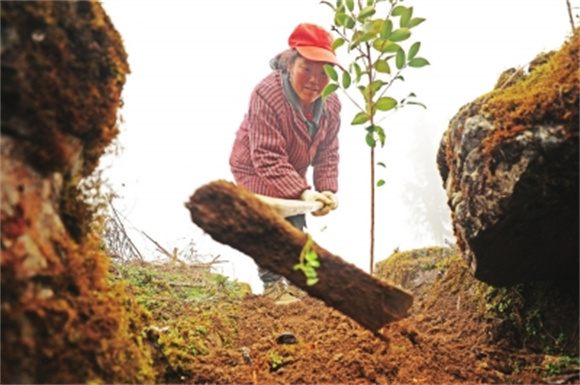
(333, 199)
(314, 196)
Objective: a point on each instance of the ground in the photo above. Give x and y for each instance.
(441, 342)
(204, 328)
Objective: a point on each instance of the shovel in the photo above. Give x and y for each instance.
(234, 216)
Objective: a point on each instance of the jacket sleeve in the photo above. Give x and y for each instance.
(325, 163)
(269, 152)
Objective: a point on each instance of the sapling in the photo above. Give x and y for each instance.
(369, 32)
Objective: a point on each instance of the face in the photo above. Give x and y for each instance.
(308, 79)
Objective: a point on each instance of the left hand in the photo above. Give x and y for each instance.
(333, 204)
(332, 198)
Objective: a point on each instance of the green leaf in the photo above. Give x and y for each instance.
(311, 281)
(366, 37)
(413, 50)
(380, 182)
(331, 72)
(314, 263)
(400, 59)
(415, 22)
(381, 134)
(339, 18)
(398, 10)
(386, 30)
(381, 164)
(377, 25)
(382, 66)
(309, 272)
(355, 40)
(327, 3)
(384, 46)
(376, 85)
(349, 22)
(349, 5)
(379, 43)
(391, 47)
(385, 103)
(297, 266)
(418, 104)
(372, 88)
(337, 43)
(357, 71)
(370, 139)
(418, 62)
(368, 27)
(366, 12)
(329, 89)
(360, 118)
(400, 34)
(310, 255)
(405, 17)
(346, 80)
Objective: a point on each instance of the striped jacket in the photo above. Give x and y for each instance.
(273, 150)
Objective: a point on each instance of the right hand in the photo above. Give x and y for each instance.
(315, 196)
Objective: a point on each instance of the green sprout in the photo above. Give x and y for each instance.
(276, 361)
(308, 262)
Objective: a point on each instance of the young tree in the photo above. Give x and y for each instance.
(366, 29)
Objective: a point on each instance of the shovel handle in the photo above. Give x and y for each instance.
(289, 207)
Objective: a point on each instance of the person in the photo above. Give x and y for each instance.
(288, 128)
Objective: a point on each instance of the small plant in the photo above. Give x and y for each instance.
(377, 45)
(275, 360)
(562, 366)
(308, 262)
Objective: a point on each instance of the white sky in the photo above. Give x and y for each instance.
(195, 63)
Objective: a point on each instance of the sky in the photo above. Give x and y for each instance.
(195, 63)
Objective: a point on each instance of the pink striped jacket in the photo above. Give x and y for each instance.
(273, 150)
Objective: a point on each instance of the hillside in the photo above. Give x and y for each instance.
(458, 331)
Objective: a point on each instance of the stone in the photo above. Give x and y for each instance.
(509, 165)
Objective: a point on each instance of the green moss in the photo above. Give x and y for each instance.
(539, 316)
(549, 93)
(193, 311)
(402, 266)
(70, 324)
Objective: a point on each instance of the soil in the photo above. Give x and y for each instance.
(440, 342)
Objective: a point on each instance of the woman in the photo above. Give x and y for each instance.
(288, 127)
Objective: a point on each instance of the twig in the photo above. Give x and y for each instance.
(570, 14)
(122, 228)
(183, 284)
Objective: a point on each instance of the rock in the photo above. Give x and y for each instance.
(286, 338)
(509, 164)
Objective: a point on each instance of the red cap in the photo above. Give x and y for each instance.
(313, 43)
